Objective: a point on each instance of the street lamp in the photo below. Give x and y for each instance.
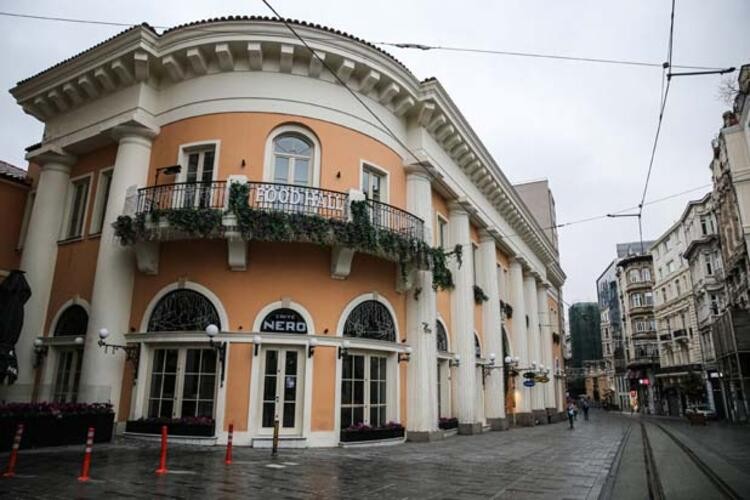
(456, 361)
(257, 341)
(40, 351)
(405, 355)
(311, 345)
(132, 352)
(220, 348)
(344, 348)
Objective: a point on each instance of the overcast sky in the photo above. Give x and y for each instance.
(588, 128)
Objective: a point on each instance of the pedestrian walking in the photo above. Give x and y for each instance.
(571, 413)
(585, 407)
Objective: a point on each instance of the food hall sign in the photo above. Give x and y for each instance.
(299, 196)
(283, 320)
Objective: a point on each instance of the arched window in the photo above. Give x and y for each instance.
(183, 310)
(441, 337)
(293, 159)
(370, 320)
(477, 346)
(73, 321)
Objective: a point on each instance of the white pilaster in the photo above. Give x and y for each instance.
(422, 417)
(462, 320)
(548, 392)
(519, 344)
(494, 392)
(532, 311)
(40, 257)
(101, 374)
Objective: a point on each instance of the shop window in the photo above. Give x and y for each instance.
(370, 319)
(78, 194)
(183, 310)
(183, 383)
(364, 387)
(72, 322)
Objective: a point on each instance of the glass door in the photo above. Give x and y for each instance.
(199, 174)
(364, 399)
(282, 390)
(68, 375)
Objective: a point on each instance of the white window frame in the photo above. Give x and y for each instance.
(646, 274)
(69, 199)
(385, 195)
(185, 150)
(440, 218)
(180, 378)
(634, 302)
(100, 204)
(297, 129)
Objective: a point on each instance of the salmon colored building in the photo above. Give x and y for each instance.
(270, 237)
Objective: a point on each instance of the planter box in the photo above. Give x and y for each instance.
(175, 428)
(448, 424)
(373, 435)
(47, 430)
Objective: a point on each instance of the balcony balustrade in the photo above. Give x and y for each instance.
(218, 209)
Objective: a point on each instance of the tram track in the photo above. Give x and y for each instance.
(674, 470)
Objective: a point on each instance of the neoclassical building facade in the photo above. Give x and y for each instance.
(265, 248)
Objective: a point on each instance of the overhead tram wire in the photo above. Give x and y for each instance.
(401, 45)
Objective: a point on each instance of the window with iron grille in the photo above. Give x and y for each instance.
(372, 320)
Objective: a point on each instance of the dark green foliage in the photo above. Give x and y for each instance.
(479, 295)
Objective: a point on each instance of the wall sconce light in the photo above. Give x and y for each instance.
(40, 352)
(338, 174)
(311, 345)
(344, 348)
(405, 355)
(456, 361)
(132, 352)
(257, 341)
(170, 170)
(242, 164)
(220, 348)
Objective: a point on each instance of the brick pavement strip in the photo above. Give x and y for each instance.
(547, 461)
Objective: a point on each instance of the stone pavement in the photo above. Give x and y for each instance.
(547, 461)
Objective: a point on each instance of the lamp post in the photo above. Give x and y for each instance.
(405, 355)
(40, 352)
(220, 348)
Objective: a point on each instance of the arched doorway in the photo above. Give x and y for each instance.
(183, 380)
(72, 323)
(367, 380)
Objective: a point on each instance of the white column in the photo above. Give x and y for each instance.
(38, 261)
(462, 321)
(101, 375)
(421, 410)
(548, 389)
(519, 346)
(532, 311)
(494, 393)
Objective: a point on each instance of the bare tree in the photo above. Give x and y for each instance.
(727, 91)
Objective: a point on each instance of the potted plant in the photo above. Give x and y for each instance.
(55, 424)
(446, 423)
(184, 426)
(364, 432)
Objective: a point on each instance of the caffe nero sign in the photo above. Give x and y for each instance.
(283, 320)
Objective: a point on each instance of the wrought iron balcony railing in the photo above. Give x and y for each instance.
(274, 197)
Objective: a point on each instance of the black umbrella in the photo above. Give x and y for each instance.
(14, 293)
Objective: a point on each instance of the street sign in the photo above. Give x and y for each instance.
(529, 375)
(529, 383)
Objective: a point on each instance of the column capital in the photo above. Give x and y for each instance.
(422, 170)
(461, 206)
(52, 157)
(126, 131)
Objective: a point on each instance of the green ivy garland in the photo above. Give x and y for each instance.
(479, 295)
(359, 234)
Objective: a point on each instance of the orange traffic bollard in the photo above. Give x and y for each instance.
(87, 456)
(11, 470)
(228, 458)
(163, 457)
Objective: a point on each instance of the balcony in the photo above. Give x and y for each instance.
(239, 211)
(638, 285)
